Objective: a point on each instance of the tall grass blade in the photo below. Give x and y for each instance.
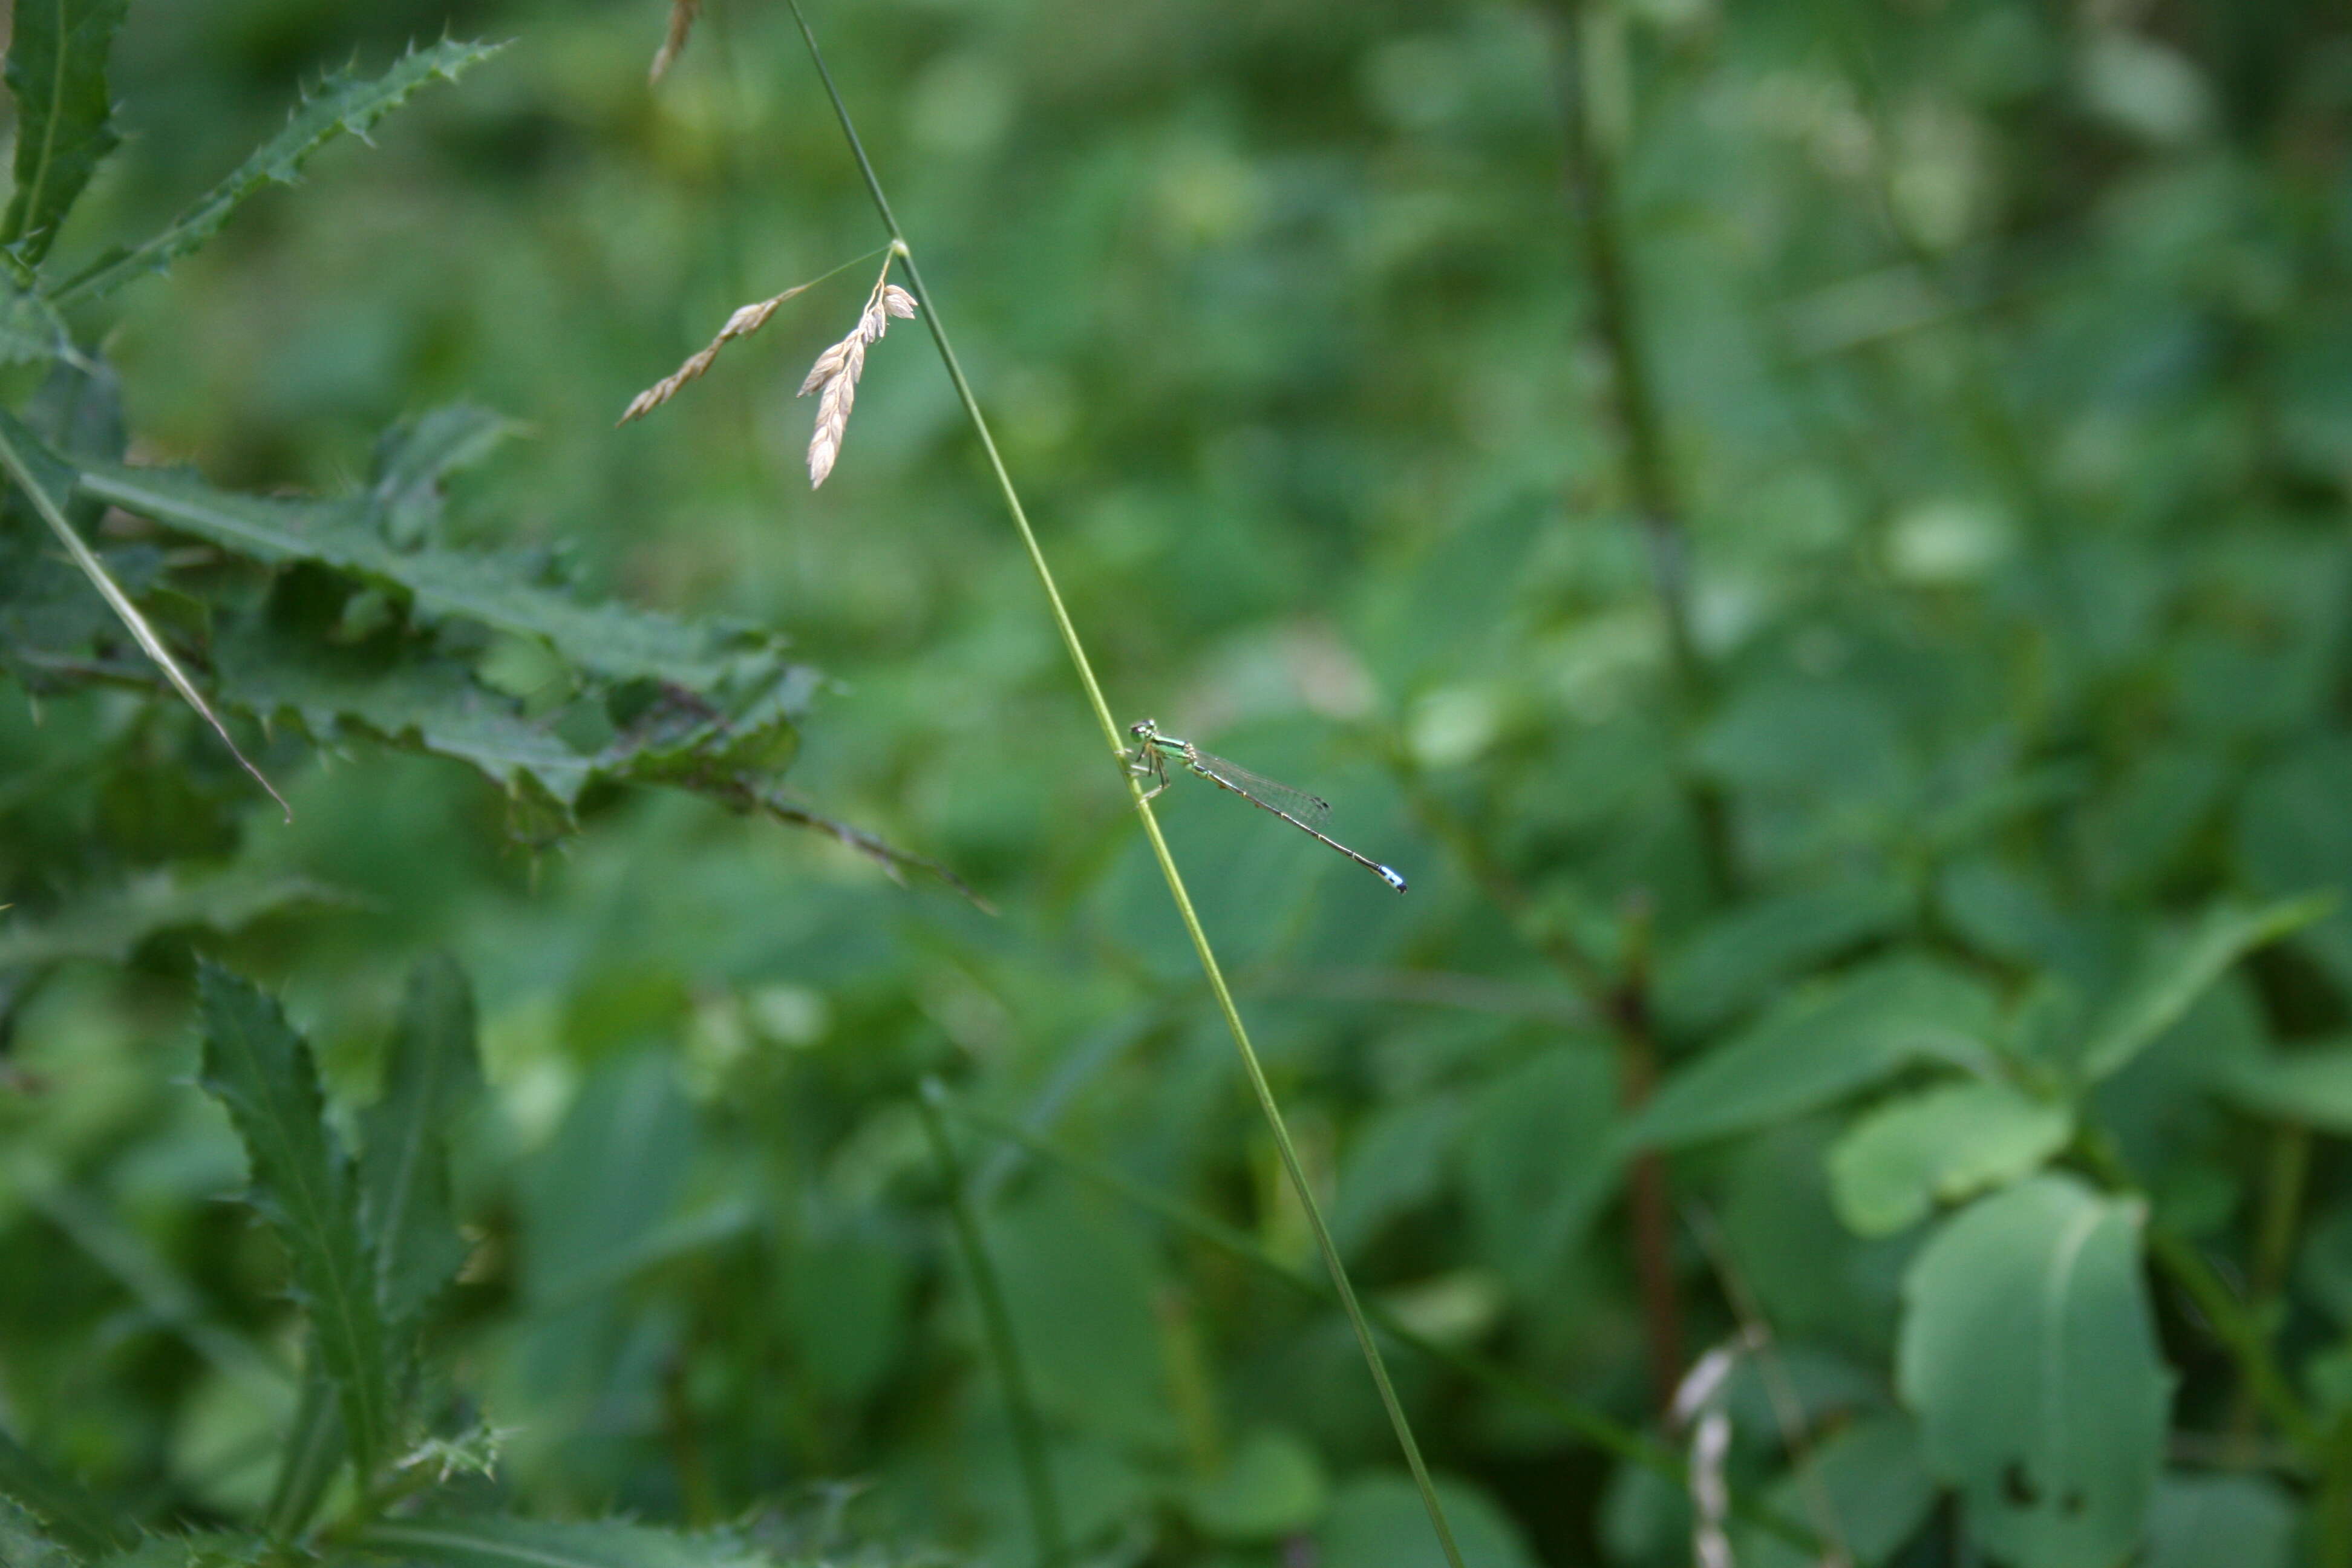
(1114, 742)
(47, 481)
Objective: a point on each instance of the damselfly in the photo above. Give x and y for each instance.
(1308, 814)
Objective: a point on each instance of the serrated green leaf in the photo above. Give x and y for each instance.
(2178, 972)
(532, 1543)
(70, 1513)
(1941, 1144)
(343, 102)
(499, 591)
(257, 1066)
(433, 1077)
(1819, 1046)
(2028, 1350)
(109, 926)
(57, 69)
(47, 481)
(201, 1549)
(22, 1544)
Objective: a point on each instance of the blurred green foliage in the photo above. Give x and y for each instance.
(1986, 1071)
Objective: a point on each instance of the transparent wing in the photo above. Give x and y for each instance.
(1310, 809)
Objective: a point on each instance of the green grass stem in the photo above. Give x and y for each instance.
(1113, 739)
(996, 1322)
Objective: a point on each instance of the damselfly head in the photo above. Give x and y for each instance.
(1148, 727)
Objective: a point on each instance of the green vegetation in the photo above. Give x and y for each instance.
(1812, 535)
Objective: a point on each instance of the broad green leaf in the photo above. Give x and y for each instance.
(1819, 1046)
(476, 1542)
(1536, 1162)
(1272, 1484)
(433, 1078)
(2178, 973)
(2206, 1521)
(1940, 1144)
(1378, 1521)
(68, 1511)
(257, 1066)
(47, 482)
(2029, 1354)
(57, 69)
(2311, 1084)
(1729, 962)
(1874, 1479)
(1395, 1162)
(109, 926)
(343, 102)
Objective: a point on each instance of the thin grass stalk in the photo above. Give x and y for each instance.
(996, 1322)
(1113, 740)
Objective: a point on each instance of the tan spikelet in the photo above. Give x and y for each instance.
(741, 324)
(833, 377)
(682, 14)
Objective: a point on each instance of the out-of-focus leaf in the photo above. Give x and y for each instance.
(257, 1066)
(343, 102)
(22, 1543)
(2292, 833)
(2311, 1084)
(1875, 1483)
(1378, 1521)
(1271, 1484)
(1732, 961)
(483, 1543)
(415, 455)
(432, 1078)
(109, 926)
(65, 120)
(1820, 1045)
(2208, 1520)
(2179, 970)
(1536, 1162)
(1397, 1161)
(69, 1513)
(2029, 1354)
(1943, 1145)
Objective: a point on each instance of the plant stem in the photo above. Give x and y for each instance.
(1596, 1427)
(996, 1322)
(2239, 1329)
(1591, 181)
(1113, 740)
(2282, 1193)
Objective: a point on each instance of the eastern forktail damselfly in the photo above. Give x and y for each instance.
(1308, 814)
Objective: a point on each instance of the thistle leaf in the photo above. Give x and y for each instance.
(57, 68)
(258, 1068)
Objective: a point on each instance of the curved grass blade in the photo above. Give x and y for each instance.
(57, 68)
(343, 102)
(48, 483)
